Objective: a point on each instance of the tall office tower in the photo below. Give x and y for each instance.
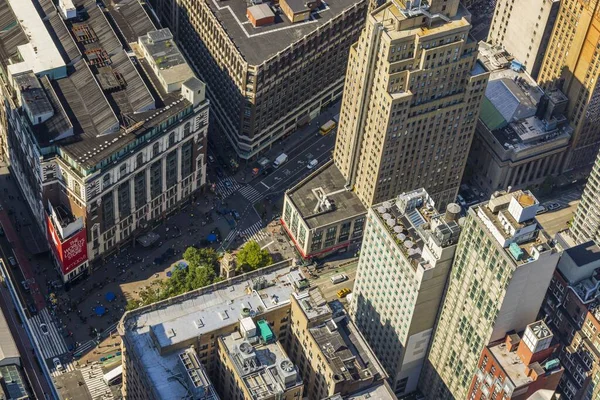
(571, 63)
(105, 131)
(410, 106)
(502, 268)
(586, 224)
(524, 30)
(269, 66)
(404, 263)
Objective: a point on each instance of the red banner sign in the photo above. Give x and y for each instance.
(70, 253)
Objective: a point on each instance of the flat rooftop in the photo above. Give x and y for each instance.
(258, 44)
(510, 218)
(40, 53)
(411, 219)
(376, 392)
(326, 180)
(344, 348)
(346, 351)
(515, 369)
(265, 368)
(162, 326)
(165, 56)
(585, 253)
(8, 347)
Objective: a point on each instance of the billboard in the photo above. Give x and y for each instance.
(71, 252)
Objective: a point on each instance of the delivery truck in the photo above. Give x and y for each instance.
(281, 159)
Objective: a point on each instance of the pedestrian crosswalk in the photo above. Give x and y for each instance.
(68, 367)
(250, 193)
(254, 232)
(225, 187)
(94, 380)
(51, 342)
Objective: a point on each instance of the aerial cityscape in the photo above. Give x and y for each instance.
(285, 200)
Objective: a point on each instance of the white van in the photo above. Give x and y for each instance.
(338, 278)
(313, 163)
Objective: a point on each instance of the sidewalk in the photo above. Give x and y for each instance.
(22, 258)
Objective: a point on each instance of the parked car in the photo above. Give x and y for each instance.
(57, 364)
(338, 278)
(541, 210)
(12, 261)
(313, 163)
(44, 328)
(211, 159)
(25, 285)
(554, 206)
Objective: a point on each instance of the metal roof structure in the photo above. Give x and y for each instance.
(109, 96)
(8, 347)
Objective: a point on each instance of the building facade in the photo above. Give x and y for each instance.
(321, 216)
(333, 356)
(518, 366)
(502, 268)
(265, 81)
(571, 64)
(411, 100)
(105, 134)
(522, 135)
(254, 365)
(405, 259)
(571, 310)
(586, 223)
(524, 30)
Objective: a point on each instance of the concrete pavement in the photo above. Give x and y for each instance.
(30, 365)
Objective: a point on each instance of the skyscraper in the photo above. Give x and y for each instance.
(411, 100)
(502, 268)
(586, 224)
(405, 259)
(571, 63)
(524, 30)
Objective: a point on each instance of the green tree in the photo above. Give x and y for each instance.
(200, 272)
(200, 257)
(252, 257)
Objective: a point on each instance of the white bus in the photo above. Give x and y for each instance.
(114, 376)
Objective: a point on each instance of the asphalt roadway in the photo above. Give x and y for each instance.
(274, 185)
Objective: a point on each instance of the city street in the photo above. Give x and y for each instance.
(557, 220)
(323, 277)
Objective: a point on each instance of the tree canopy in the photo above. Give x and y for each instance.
(252, 257)
(200, 272)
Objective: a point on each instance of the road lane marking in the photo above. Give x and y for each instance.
(265, 185)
